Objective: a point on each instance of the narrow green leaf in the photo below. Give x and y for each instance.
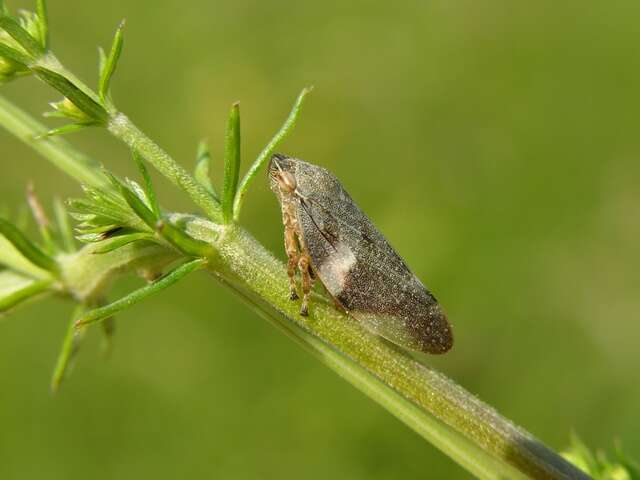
(14, 55)
(88, 211)
(90, 237)
(598, 464)
(80, 99)
(102, 60)
(95, 224)
(114, 243)
(66, 109)
(3, 8)
(20, 35)
(65, 129)
(148, 184)
(106, 73)
(203, 168)
(102, 313)
(43, 21)
(14, 260)
(76, 205)
(107, 196)
(231, 163)
(69, 349)
(105, 230)
(16, 288)
(138, 190)
(135, 202)
(30, 251)
(630, 466)
(587, 460)
(64, 226)
(50, 114)
(266, 153)
(182, 241)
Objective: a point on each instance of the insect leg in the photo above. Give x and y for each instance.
(307, 282)
(291, 247)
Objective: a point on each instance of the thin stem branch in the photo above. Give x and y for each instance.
(122, 128)
(102, 313)
(29, 290)
(68, 350)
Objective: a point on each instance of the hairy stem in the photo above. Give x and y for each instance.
(122, 128)
(468, 430)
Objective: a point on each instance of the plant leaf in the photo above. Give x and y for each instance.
(80, 99)
(102, 313)
(148, 184)
(598, 465)
(109, 66)
(21, 36)
(231, 163)
(102, 59)
(43, 22)
(182, 241)
(14, 55)
(98, 210)
(30, 251)
(66, 129)
(629, 465)
(16, 288)
(119, 241)
(203, 168)
(265, 154)
(68, 350)
(135, 203)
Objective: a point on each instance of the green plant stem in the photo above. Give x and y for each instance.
(467, 430)
(122, 128)
(169, 279)
(67, 351)
(29, 291)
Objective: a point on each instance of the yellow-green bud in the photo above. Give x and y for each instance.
(67, 108)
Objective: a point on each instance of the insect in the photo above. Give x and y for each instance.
(327, 237)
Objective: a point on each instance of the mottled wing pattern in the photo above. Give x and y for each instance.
(361, 270)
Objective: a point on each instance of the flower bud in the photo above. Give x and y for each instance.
(10, 68)
(66, 108)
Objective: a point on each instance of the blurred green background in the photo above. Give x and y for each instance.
(495, 144)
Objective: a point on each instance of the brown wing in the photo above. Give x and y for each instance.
(361, 270)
